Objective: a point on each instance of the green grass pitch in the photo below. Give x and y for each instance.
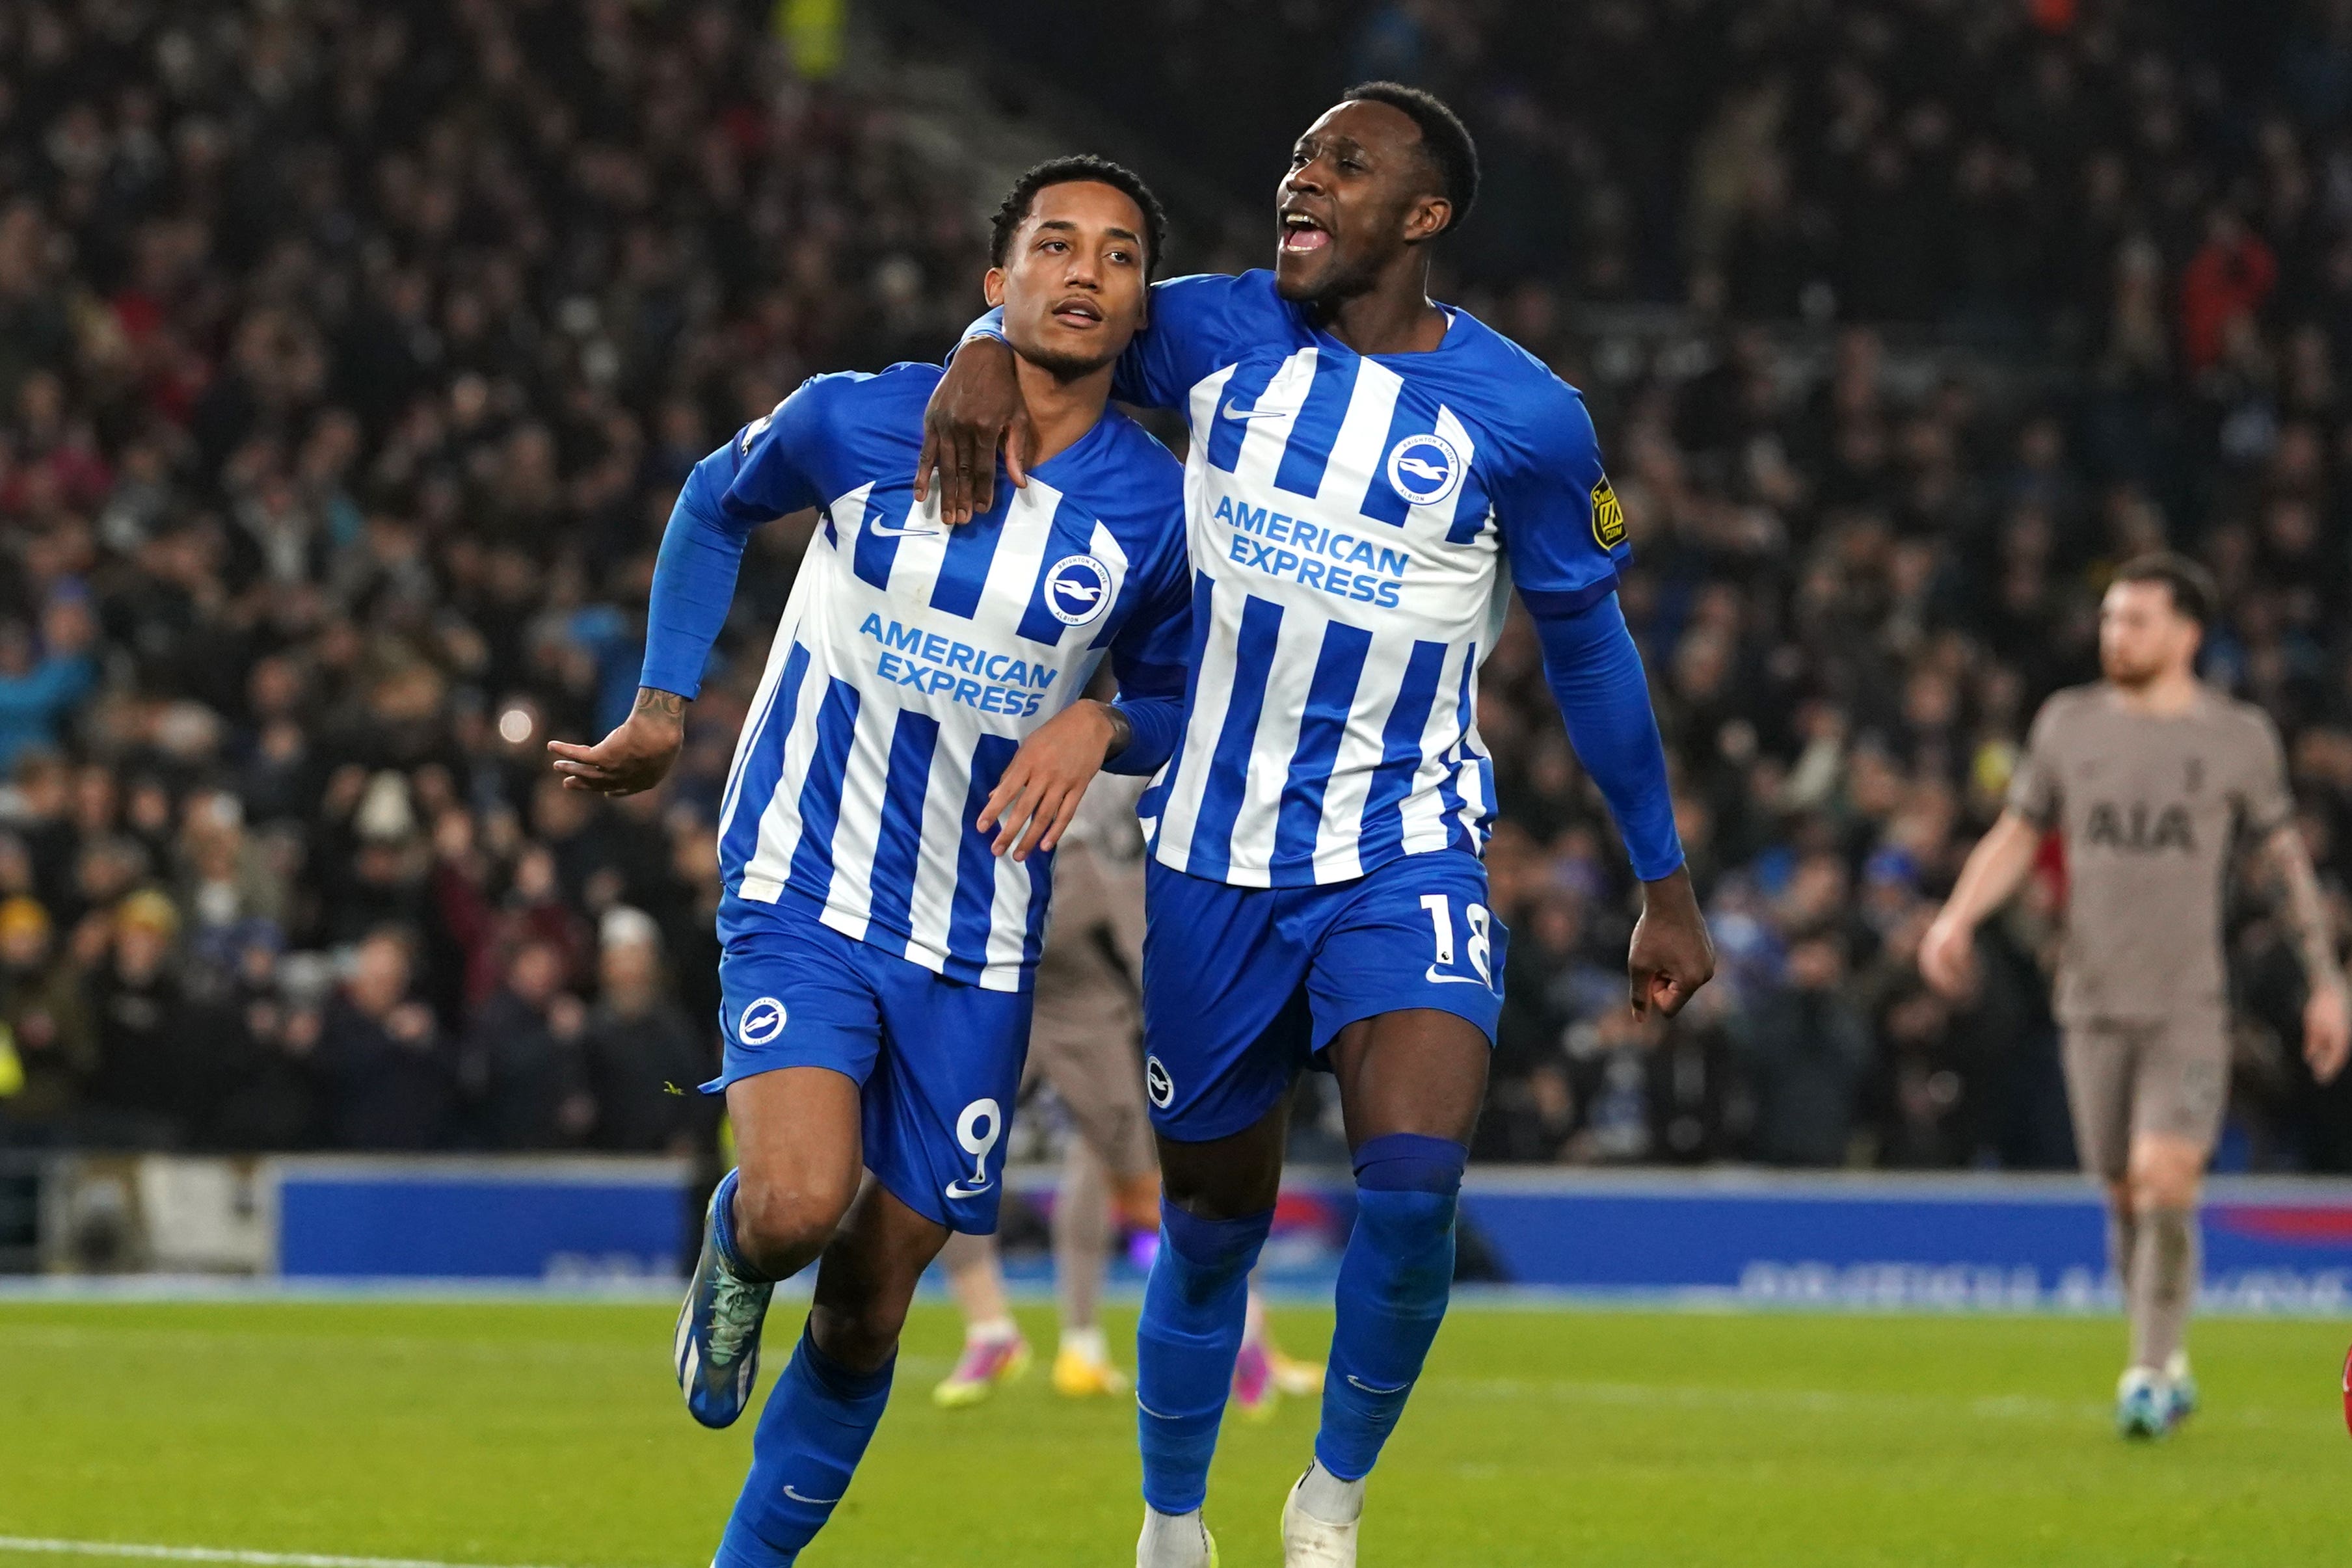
(551, 1435)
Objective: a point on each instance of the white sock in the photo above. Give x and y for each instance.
(1172, 1539)
(1086, 1342)
(992, 1331)
(1324, 1496)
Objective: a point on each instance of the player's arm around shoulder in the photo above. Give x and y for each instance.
(977, 408)
(1197, 324)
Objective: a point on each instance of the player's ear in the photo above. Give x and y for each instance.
(991, 287)
(1428, 219)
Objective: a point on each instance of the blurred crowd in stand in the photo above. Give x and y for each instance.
(351, 355)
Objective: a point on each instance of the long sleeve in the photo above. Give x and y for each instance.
(1157, 718)
(1149, 660)
(1595, 674)
(772, 468)
(694, 583)
(1192, 320)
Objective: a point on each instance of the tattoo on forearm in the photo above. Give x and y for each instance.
(1122, 731)
(669, 705)
(2306, 911)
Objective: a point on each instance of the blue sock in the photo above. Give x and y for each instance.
(722, 1232)
(819, 1417)
(1393, 1282)
(1193, 1308)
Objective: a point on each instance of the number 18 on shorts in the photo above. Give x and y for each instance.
(1244, 986)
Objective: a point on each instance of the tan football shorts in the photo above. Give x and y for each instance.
(2126, 1077)
(1089, 1016)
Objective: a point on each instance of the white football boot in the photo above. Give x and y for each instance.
(1174, 1541)
(1311, 1542)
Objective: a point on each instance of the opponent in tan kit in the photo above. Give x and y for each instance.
(2150, 777)
(1083, 1043)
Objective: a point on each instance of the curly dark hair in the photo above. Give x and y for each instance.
(1014, 209)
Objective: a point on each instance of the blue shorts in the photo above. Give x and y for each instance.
(1244, 986)
(937, 1062)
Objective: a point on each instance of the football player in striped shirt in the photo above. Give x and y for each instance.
(1369, 472)
(877, 937)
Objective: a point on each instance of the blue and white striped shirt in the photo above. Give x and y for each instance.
(1350, 520)
(912, 658)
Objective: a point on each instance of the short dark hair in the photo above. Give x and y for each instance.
(1443, 138)
(2194, 593)
(1078, 166)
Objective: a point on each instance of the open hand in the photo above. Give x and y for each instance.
(1672, 956)
(976, 406)
(1033, 801)
(633, 758)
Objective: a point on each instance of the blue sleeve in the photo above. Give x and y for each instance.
(1595, 674)
(1153, 701)
(989, 323)
(1149, 657)
(1193, 326)
(1192, 319)
(764, 473)
(1563, 530)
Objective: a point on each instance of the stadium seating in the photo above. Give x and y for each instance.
(350, 357)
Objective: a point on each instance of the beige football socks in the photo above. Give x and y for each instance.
(2162, 1284)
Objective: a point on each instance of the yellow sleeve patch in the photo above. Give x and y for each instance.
(1608, 516)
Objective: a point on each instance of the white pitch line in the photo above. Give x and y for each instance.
(217, 1554)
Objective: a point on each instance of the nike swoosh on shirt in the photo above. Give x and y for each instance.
(890, 532)
(1234, 412)
(1435, 978)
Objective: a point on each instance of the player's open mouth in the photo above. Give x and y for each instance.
(1077, 313)
(1301, 234)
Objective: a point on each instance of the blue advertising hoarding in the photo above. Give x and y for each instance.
(1948, 1241)
(1923, 1241)
(586, 1220)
